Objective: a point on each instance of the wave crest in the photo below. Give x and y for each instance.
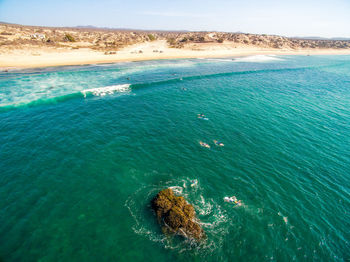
(107, 90)
(257, 59)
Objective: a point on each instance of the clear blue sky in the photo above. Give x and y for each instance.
(327, 18)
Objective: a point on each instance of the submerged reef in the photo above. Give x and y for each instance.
(176, 216)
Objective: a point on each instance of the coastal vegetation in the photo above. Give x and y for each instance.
(14, 36)
(69, 38)
(151, 37)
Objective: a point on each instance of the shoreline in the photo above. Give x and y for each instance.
(37, 58)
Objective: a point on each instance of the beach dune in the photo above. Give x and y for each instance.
(27, 47)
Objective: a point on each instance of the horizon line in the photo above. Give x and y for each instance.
(315, 37)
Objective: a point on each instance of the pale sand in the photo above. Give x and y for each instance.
(43, 57)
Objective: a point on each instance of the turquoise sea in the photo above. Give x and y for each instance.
(83, 150)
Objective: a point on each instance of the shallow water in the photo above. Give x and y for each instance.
(84, 149)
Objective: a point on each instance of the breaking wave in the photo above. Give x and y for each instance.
(107, 90)
(100, 91)
(258, 59)
(46, 94)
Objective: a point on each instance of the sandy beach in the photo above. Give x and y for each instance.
(44, 56)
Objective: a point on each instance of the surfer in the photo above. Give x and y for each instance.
(204, 144)
(217, 143)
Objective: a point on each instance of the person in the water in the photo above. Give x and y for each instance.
(204, 144)
(202, 116)
(234, 200)
(217, 143)
(194, 182)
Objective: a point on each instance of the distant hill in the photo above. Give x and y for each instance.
(126, 29)
(92, 27)
(321, 38)
(112, 39)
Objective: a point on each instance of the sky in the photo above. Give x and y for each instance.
(324, 18)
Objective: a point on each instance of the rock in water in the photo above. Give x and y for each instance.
(176, 215)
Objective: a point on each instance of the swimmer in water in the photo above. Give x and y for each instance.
(204, 144)
(217, 143)
(202, 116)
(234, 200)
(194, 182)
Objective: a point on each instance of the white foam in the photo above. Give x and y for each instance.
(177, 189)
(211, 217)
(219, 59)
(257, 59)
(204, 208)
(107, 90)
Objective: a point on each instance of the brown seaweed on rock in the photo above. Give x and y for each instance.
(176, 216)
